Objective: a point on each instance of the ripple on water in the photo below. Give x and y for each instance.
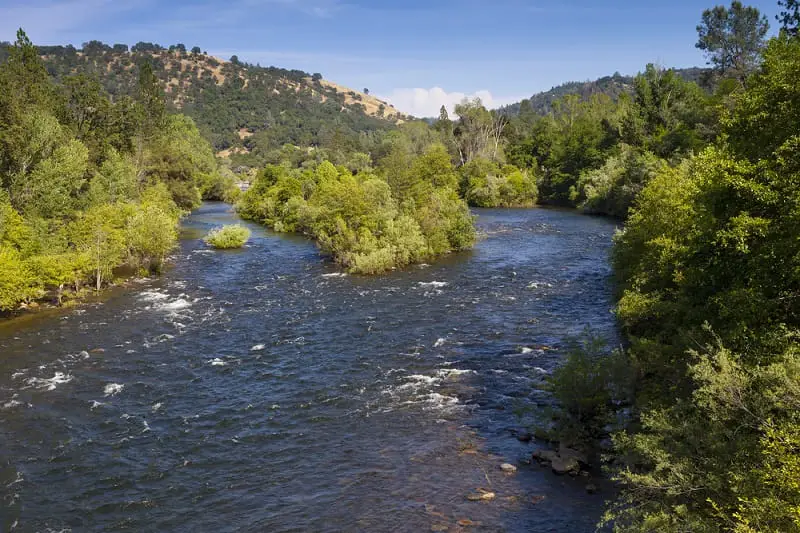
(264, 392)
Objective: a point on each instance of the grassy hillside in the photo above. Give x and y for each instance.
(229, 100)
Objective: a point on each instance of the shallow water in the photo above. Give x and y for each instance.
(262, 390)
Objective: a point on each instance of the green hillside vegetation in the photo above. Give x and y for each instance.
(88, 184)
(236, 105)
(613, 86)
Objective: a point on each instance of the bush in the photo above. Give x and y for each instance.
(612, 188)
(587, 388)
(368, 224)
(227, 237)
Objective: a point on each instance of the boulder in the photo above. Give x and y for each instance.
(508, 468)
(565, 465)
(579, 456)
(545, 455)
(560, 464)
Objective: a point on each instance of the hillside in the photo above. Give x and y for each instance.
(613, 86)
(229, 100)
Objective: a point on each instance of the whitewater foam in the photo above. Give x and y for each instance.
(49, 383)
(112, 389)
(433, 284)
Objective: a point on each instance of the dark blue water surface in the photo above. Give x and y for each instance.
(262, 390)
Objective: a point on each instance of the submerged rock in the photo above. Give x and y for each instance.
(591, 488)
(508, 468)
(481, 496)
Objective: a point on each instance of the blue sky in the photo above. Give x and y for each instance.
(419, 54)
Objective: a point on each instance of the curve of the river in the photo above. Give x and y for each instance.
(262, 390)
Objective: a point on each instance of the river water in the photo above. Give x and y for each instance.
(262, 390)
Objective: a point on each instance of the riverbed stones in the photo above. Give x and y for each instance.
(524, 436)
(591, 488)
(508, 468)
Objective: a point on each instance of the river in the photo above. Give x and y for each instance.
(262, 390)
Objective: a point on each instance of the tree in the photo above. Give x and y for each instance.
(790, 16)
(478, 131)
(733, 38)
(150, 97)
(235, 59)
(366, 91)
(196, 50)
(99, 233)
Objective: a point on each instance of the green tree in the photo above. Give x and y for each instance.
(733, 38)
(99, 233)
(150, 97)
(151, 233)
(789, 17)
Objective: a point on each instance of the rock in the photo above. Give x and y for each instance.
(579, 456)
(545, 455)
(466, 522)
(538, 498)
(565, 465)
(439, 527)
(591, 488)
(508, 468)
(97, 350)
(524, 436)
(584, 473)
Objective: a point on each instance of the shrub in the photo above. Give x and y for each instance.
(587, 386)
(227, 237)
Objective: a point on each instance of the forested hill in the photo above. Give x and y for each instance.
(230, 100)
(613, 86)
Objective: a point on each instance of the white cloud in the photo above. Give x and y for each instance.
(428, 102)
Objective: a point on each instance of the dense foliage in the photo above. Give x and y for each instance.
(710, 270)
(228, 237)
(598, 152)
(405, 211)
(86, 184)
